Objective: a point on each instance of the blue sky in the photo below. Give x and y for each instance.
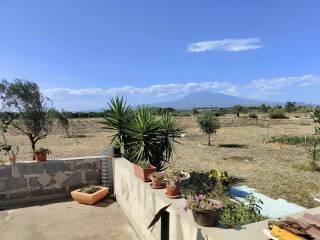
(82, 52)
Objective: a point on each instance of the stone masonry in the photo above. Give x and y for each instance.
(36, 181)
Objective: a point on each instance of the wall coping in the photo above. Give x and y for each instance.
(58, 159)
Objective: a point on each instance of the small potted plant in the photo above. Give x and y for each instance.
(157, 179)
(89, 194)
(205, 211)
(41, 154)
(173, 179)
(143, 169)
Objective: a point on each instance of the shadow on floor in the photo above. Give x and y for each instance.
(233, 145)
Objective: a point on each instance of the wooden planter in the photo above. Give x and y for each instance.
(143, 174)
(87, 198)
(40, 156)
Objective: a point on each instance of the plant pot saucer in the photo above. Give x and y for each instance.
(157, 187)
(173, 197)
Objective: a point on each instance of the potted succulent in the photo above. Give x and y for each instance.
(205, 211)
(143, 169)
(157, 179)
(173, 178)
(89, 194)
(41, 154)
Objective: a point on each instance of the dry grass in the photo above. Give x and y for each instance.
(240, 147)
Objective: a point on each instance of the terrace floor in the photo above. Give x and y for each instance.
(66, 221)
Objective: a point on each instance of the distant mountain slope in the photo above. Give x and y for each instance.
(209, 99)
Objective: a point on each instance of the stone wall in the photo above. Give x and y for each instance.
(36, 181)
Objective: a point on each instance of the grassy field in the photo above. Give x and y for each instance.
(241, 147)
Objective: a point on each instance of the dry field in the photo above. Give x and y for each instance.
(240, 147)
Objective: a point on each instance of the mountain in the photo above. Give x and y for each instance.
(209, 99)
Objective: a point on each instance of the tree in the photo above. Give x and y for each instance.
(195, 111)
(316, 119)
(34, 118)
(237, 109)
(290, 106)
(264, 108)
(208, 124)
(313, 149)
(63, 121)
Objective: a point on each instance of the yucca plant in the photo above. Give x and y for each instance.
(118, 118)
(144, 135)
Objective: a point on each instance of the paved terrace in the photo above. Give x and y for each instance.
(66, 221)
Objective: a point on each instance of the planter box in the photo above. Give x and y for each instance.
(143, 174)
(87, 198)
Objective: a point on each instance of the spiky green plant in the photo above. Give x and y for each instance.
(118, 118)
(145, 136)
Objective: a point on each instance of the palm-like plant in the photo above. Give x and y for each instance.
(118, 118)
(209, 124)
(144, 135)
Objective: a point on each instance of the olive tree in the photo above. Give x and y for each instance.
(63, 121)
(237, 109)
(34, 117)
(209, 124)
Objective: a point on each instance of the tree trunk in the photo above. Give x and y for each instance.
(33, 146)
(209, 142)
(238, 114)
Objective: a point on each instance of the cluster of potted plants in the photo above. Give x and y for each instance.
(171, 178)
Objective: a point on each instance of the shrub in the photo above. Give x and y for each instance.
(293, 139)
(253, 115)
(278, 115)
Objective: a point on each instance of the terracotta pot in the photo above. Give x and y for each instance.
(40, 156)
(143, 174)
(156, 182)
(206, 218)
(87, 198)
(173, 188)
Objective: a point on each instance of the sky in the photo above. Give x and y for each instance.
(83, 52)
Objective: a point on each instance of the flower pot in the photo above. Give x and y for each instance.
(156, 182)
(40, 156)
(143, 174)
(173, 189)
(87, 198)
(206, 218)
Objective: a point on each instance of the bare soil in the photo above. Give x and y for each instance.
(240, 147)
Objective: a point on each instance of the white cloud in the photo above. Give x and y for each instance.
(275, 83)
(230, 45)
(275, 89)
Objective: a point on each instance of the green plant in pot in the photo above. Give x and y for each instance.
(205, 211)
(143, 169)
(173, 178)
(144, 135)
(41, 154)
(157, 179)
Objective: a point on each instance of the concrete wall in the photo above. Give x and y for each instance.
(140, 203)
(35, 181)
